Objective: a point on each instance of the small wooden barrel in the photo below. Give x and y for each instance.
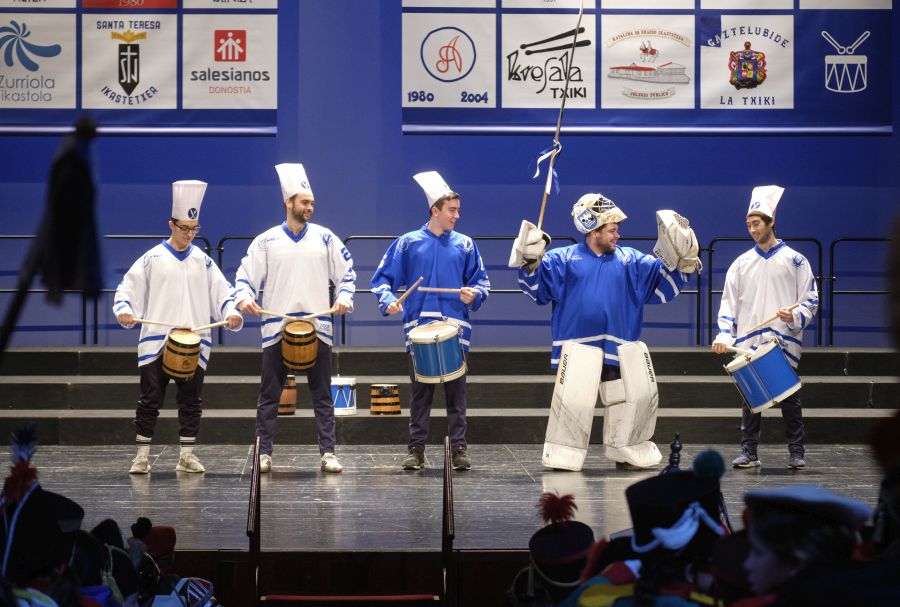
(287, 404)
(298, 345)
(385, 399)
(181, 354)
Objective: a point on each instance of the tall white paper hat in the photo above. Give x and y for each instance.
(434, 185)
(187, 196)
(764, 200)
(293, 180)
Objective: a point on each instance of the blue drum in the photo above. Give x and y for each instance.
(343, 393)
(764, 378)
(437, 352)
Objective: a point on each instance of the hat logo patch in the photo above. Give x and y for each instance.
(192, 213)
(755, 205)
(587, 219)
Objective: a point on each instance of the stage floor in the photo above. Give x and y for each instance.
(374, 505)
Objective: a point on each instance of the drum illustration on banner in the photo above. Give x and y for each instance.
(846, 72)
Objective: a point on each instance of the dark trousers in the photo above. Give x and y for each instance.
(420, 410)
(153, 391)
(271, 383)
(792, 413)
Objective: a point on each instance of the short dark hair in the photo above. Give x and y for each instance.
(439, 203)
(766, 219)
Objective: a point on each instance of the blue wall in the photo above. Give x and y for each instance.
(339, 114)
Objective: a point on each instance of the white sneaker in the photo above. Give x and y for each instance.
(265, 463)
(189, 463)
(140, 464)
(330, 463)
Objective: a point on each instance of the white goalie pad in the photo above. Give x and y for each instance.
(676, 245)
(632, 404)
(572, 406)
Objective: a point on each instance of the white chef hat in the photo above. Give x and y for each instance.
(434, 185)
(764, 200)
(293, 179)
(594, 210)
(187, 196)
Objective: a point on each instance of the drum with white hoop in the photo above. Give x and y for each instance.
(343, 393)
(846, 73)
(437, 352)
(764, 377)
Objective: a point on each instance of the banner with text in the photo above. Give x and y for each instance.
(647, 65)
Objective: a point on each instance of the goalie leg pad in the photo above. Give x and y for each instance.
(572, 407)
(631, 408)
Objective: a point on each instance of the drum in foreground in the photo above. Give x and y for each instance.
(437, 352)
(298, 345)
(764, 379)
(181, 353)
(385, 399)
(343, 393)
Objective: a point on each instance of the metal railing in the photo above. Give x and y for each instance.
(832, 292)
(825, 315)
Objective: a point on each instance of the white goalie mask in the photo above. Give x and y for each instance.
(593, 210)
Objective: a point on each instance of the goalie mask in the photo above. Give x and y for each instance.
(593, 210)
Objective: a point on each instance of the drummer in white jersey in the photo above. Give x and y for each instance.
(294, 262)
(769, 277)
(173, 282)
(598, 291)
(445, 259)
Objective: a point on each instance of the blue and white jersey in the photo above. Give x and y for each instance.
(757, 285)
(598, 300)
(450, 260)
(186, 289)
(293, 272)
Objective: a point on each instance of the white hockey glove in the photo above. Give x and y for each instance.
(677, 244)
(529, 245)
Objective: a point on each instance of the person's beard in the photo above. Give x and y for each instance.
(299, 215)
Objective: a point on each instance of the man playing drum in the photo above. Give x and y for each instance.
(177, 283)
(448, 260)
(770, 276)
(295, 261)
(598, 291)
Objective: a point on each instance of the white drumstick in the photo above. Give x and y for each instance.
(772, 318)
(840, 49)
(308, 316)
(270, 313)
(156, 322)
(221, 323)
(410, 290)
(862, 38)
(747, 353)
(439, 290)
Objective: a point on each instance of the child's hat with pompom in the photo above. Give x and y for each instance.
(659, 502)
(560, 549)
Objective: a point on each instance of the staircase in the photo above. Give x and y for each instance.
(86, 396)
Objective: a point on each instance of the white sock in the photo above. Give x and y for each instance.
(143, 443)
(187, 444)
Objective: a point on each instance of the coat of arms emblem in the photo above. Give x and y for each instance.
(748, 68)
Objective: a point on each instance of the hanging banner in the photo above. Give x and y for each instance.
(207, 67)
(755, 66)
